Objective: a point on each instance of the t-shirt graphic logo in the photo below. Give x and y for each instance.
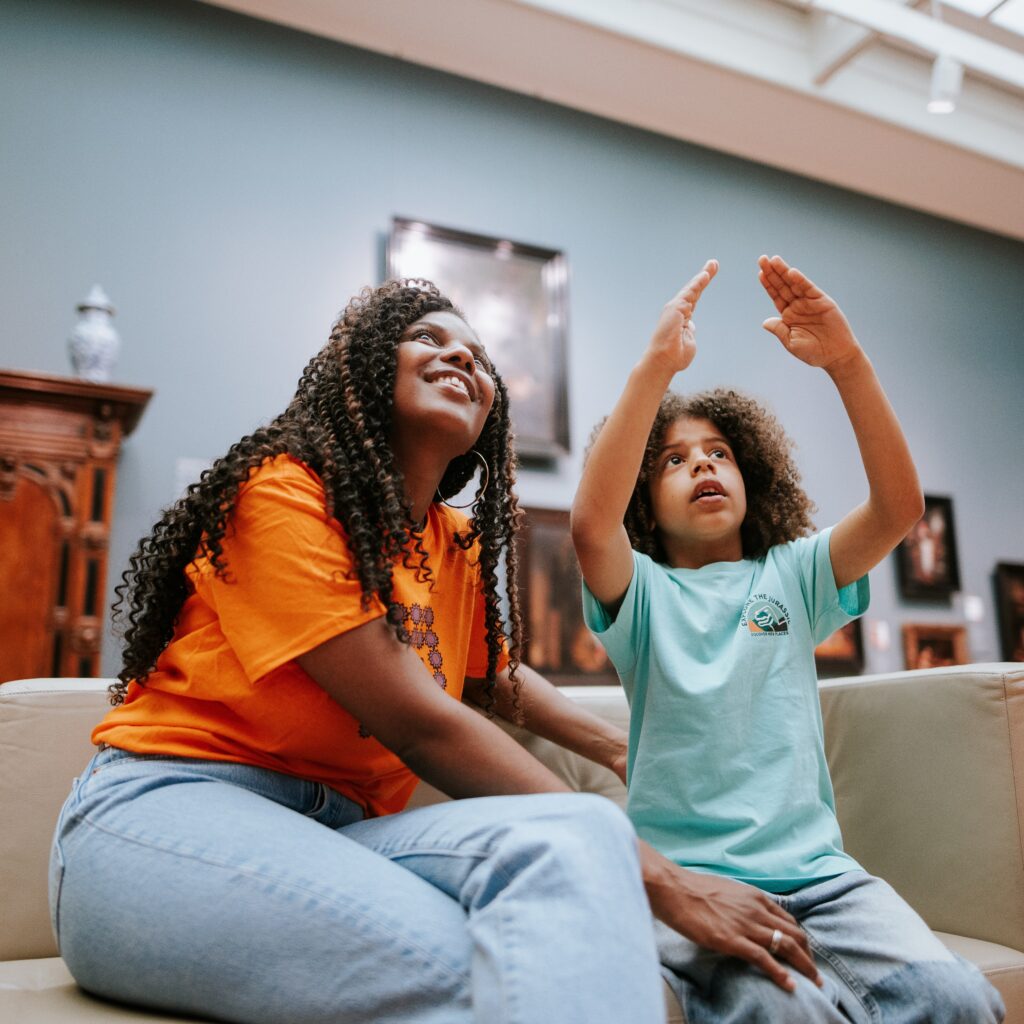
(418, 632)
(764, 615)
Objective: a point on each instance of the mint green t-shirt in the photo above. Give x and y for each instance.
(727, 770)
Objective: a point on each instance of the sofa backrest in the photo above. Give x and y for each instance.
(928, 771)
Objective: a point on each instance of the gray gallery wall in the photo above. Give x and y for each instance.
(229, 183)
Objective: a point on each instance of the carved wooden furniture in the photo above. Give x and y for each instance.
(59, 440)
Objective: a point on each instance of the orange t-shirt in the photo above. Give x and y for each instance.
(228, 688)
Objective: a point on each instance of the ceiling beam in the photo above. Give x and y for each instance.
(834, 43)
(892, 21)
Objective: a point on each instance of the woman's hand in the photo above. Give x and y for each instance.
(673, 343)
(727, 917)
(810, 323)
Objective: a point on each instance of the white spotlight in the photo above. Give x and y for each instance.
(947, 77)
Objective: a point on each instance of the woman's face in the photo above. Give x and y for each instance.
(443, 385)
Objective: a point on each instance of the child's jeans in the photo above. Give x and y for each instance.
(880, 963)
(243, 894)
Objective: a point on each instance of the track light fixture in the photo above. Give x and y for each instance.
(947, 77)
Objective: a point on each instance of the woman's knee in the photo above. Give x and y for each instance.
(590, 822)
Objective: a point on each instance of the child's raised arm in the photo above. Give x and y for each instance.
(609, 476)
(811, 326)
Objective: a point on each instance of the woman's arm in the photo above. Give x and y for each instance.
(383, 684)
(813, 328)
(553, 716)
(611, 470)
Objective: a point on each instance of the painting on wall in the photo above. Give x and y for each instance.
(926, 645)
(515, 297)
(1009, 580)
(557, 642)
(927, 562)
(841, 654)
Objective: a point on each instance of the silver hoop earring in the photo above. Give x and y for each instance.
(480, 490)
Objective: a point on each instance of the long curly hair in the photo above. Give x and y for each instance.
(778, 509)
(338, 424)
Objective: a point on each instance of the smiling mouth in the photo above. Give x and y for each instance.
(454, 382)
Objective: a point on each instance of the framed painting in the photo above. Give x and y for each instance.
(557, 643)
(927, 563)
(927, 645)
(515, 296)
(1009, 579)
(842, 654)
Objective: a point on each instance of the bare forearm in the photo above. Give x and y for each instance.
(614, 462)
(894, 491)
(469, 756)
(551, 715)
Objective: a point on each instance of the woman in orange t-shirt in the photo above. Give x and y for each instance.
(296, 627)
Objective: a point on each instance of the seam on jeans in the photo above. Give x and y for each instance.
(428, 956)
(394, 852)
(853, 982)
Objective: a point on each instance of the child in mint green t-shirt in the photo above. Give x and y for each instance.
(709, 590)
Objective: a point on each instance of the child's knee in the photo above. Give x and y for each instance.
(740, 992)
(947, 991)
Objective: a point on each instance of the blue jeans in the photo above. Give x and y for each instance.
(243, 894)
(880, 964)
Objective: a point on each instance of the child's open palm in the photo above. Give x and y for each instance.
(810, 323)
(674, 341)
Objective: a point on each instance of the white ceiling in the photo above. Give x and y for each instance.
(831, 89)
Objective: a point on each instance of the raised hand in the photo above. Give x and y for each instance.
(674, 342)
(810, 323)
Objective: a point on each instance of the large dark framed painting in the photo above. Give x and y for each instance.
(927, 563)
(557, 642)
(1009, 580)
(515, 297)
(841, 654)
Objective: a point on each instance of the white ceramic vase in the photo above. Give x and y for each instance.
(94, 343)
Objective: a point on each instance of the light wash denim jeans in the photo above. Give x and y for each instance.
(243, 894)
(880, 963)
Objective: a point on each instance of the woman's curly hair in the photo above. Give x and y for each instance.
(338, 424)
(778, 510)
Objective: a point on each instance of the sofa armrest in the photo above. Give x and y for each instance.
(928, 770)
(44, 744)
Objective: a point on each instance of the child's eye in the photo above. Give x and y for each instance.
(719, 453)
(674, 460)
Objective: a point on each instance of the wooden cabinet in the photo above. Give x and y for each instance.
(59, 440)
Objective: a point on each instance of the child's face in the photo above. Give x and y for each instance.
(697, 493)
(443, 384)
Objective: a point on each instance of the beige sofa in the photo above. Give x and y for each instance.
(928, 769)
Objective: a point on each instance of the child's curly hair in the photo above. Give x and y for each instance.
(778, 510)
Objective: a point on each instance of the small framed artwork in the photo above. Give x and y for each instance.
(927, 562)
(927, 645)
(515, 297)
(557, 642)
(1010, 606)
(842, 654)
